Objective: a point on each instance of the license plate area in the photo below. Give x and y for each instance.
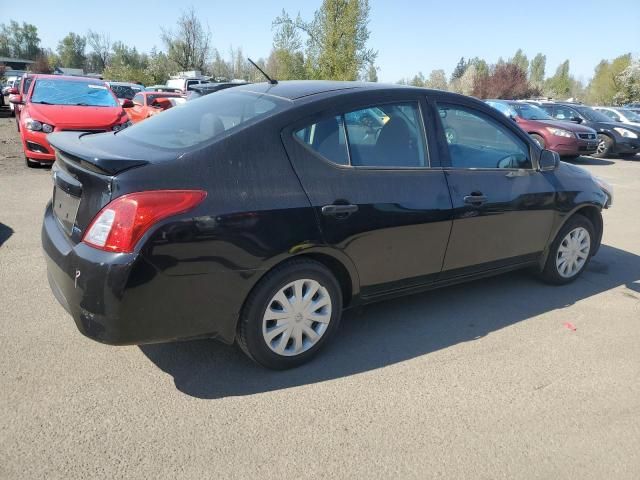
(65, 208)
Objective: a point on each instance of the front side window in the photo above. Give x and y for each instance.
(138, 100)
(475, 140)
(72, 92)
(565, 113)
(387, 136)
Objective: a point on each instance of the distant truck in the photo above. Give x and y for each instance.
(185, 80)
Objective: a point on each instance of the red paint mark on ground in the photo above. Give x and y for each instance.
(570, 326)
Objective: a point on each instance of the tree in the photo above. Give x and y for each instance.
(189, 46)
(71, 51)
(629, 84)
(606, 82)
(559, 85)
(19, 41)
(40, 65)
(159, 68)
(536, 70)
(459, 70)
(437, 80)
(505, 81)
(468, 79)
(418, 80)
(520, 60)
(372, 73)
(336, 39)
(286, 61)
(100, 44)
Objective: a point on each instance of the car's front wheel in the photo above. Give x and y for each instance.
(570, 251)
(605, 146)
(292, 312)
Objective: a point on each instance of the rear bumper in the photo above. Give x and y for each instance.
(120, 299)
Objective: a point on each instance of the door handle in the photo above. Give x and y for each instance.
(475, 199)
(339, 210)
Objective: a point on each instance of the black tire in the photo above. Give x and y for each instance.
(605, 146)
(538, 139)
(627, 156)
(30, 163)
(550, 273)
(250, 336)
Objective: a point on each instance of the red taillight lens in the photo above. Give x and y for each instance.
(120, 224)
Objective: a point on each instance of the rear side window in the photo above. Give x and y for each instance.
(475, 140)
(387, 136)
(138, 99)
(192, 123)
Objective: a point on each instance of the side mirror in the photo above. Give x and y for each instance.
(15, 99)
(576, 119)
(549, 160)
(126, 103)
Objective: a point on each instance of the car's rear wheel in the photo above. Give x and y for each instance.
(292, 312)
(605, 145)
(538, 139)
(570, 251)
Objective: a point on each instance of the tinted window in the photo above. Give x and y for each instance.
(612, 115)
(327, 138)
(196, 122)
(382, 136)
(26, 85)
(477, 141)
(530, 112)
(72, 92)
(138, 99)
(592, 115)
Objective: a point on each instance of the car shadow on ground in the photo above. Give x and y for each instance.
(5, 233)
(394, 331)
(590, 161)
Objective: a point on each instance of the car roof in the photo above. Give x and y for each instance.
(174, 94)
(71, 77)
(295, 89)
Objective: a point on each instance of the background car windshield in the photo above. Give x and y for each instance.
(593, 115)
(72, 92)
(124, 91)
(530, 112)
(631, 115)
(193, 123)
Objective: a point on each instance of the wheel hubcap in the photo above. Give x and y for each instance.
(297, 317)
(602, 146)
(573, 252)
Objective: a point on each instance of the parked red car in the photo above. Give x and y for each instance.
(57, 103)
(568, 139)
(147, 104)
(22, 89)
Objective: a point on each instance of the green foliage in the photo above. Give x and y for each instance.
(606, 82)
(372, 73)
(19, 40)
(71, 51)
(459, 69)
(437, 80)
(559, 86)
(536, 70)
(629, 84)
(337, 37)
(520, 60)
(189, 45)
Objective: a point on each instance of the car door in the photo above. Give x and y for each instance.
(503, 207)
(377, 188)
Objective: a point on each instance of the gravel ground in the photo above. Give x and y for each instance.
(481, 380)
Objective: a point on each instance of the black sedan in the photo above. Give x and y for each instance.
(256, 215)
(613, 138)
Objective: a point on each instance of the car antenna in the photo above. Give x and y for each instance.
(271, 80)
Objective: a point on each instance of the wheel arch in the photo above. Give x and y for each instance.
(592, 212)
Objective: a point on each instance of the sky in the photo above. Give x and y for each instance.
(410, 36)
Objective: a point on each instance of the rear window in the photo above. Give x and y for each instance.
(123, 91)
(193, 123)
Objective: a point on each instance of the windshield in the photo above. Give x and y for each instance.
(72, 92)
(193, 123)
(124, 91)
(593, 115)
(630, 114)
(530, 112)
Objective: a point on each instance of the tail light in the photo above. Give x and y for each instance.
(123, 222)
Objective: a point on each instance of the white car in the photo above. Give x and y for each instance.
(622, 115)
